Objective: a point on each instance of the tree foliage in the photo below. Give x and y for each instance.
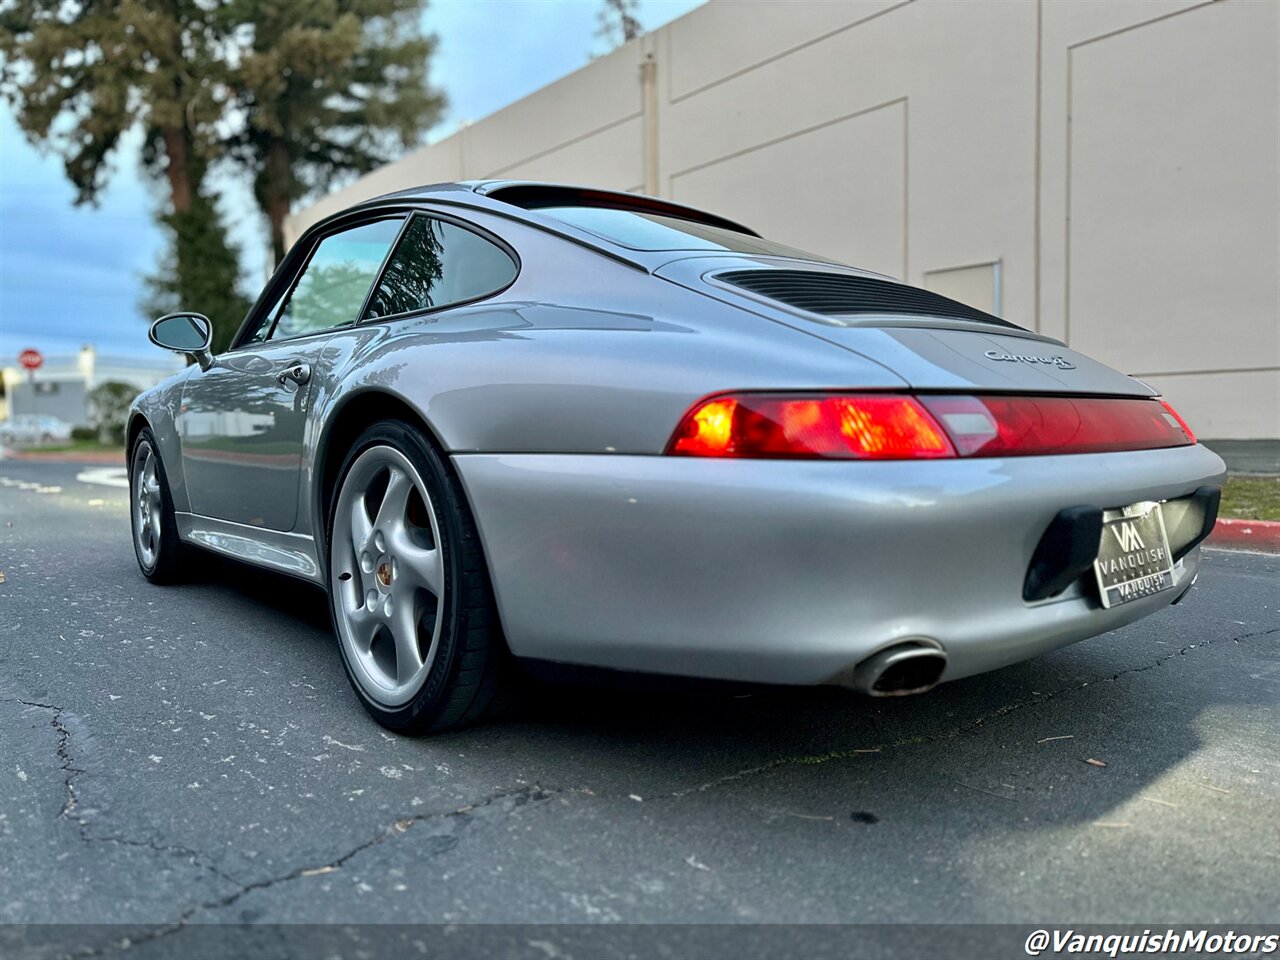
(617, 22)
(296, 95)
(327, 88)
(108, 408)
(82, 75)
(197, 236)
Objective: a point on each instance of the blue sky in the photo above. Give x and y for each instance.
(73, 275)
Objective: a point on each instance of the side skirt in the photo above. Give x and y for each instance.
(291, 553)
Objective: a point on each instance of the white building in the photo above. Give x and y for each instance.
(59, 387)
(1104, 171)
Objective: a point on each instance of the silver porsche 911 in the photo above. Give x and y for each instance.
(507, 422)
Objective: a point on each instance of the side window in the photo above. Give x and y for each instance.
(336, 280)
(438, 263)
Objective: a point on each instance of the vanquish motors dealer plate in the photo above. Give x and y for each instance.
(1133, 558)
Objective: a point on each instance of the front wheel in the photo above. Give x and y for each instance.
(155, 531)
(408, 588)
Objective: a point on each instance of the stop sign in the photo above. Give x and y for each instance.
(31, 359)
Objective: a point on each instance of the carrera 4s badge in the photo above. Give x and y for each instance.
(1061, 362)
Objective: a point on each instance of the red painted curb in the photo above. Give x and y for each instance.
(1232, 534)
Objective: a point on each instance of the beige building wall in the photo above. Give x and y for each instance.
(1104, 171)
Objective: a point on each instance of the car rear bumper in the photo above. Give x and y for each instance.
(793, 571)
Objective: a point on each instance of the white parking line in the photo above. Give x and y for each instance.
(105, 476)
(29, 485)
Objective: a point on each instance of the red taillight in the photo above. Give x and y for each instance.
(866, 426)
(1001, 426)
(1191, 437)
(882, 426)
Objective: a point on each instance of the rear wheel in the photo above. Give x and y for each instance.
(155, 532)
(408, 589)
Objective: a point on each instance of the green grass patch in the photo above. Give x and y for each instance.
(76, 446)
(1251, 498)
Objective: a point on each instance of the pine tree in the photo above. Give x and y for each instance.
(80, 76)
(298, 94)
(328, 89)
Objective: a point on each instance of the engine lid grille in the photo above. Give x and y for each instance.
(834, 294)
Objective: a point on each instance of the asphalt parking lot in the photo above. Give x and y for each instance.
(171, 757)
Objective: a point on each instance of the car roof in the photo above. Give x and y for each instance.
(522, 201)
(496, 196)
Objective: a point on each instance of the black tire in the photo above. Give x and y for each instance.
(472, 677)
(167, 563)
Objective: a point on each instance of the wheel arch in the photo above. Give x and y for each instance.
(137, 420)
(341, 429)
(168, 449)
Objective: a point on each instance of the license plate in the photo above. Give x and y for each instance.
(1133, 557)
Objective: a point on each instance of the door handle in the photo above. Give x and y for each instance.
(299, 373)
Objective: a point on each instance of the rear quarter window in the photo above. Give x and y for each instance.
(437, 264)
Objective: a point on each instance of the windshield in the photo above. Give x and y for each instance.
(651, 231)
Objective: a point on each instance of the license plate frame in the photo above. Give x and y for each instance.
(1134, 560)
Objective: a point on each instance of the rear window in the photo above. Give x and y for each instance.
(651, 231)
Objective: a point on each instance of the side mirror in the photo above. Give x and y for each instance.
(184, 333)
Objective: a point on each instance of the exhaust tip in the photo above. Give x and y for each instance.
(911, 666)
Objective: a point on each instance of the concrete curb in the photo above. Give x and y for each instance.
(1232, 534)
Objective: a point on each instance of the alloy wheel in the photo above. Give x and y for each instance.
(148, 507)
(387, 575)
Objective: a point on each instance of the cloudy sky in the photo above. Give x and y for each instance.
(72, 275)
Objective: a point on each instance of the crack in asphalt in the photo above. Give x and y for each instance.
(518, 797)
(961, 730)
(72, 800)
(1194, 646)
(463, 815)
